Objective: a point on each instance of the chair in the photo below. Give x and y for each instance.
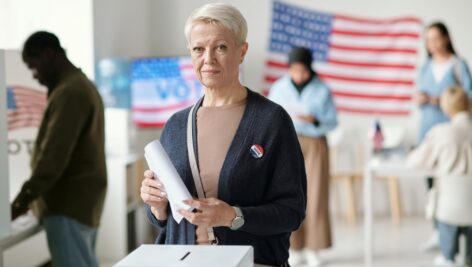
(453, 201)
(347, 159)
(394, 137)
(345, 167)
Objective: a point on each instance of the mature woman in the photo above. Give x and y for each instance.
(447, 149)
(248, 159)
(309, 102)
(442, 69)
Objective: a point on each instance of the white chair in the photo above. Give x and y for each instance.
(453, 201)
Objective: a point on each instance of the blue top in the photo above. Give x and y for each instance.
(315, 99)
(270, 190)
(430, 114)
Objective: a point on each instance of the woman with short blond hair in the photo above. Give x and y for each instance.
(454, 100)
(249, 162)
(447, 149)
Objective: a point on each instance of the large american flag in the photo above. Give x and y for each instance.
(25, 107)
(369, 64)
(160, 87)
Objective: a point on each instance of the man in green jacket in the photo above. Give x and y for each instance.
(68, 181)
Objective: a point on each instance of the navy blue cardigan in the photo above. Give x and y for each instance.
(271, 190)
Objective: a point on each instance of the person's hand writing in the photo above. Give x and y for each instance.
(153, 194)
(210, 212)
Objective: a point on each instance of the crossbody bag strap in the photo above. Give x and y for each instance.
(458, 72)
(195, 172)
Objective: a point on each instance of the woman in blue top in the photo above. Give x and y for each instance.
(442, 70)
(310, 104)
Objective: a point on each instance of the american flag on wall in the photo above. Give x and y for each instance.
(25, 107)
(369, 64)
(160, 87)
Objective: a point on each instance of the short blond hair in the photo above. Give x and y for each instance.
(219, 14)
(455, 100)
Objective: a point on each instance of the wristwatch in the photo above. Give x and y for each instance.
(238, 221)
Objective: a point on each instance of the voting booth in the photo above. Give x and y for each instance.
(21, 106)
(189, 255)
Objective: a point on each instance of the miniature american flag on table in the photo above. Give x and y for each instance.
(369, 64)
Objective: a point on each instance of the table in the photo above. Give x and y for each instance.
(381, 166)
(27, 237)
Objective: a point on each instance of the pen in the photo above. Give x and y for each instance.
(185, 256)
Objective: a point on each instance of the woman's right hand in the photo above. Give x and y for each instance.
(422, 98)
(153, 194)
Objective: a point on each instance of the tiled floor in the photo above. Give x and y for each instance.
(395, 245)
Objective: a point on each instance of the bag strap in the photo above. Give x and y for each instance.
(457, 72)
(195, 172)
(191, 156)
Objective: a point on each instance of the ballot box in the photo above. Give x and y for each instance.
(189, 255)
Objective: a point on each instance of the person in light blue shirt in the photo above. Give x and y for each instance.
(310, 105)
(442, 70)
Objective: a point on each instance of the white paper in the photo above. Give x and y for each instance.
(159, 162)
(295, 111)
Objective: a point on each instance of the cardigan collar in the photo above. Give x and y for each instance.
(236, 147)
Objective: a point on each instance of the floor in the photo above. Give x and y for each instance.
(395, 245)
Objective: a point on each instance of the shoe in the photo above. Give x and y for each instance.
(312, 258)
(431, 244)
(295, 257)
(440, 261)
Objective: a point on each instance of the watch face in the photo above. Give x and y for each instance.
(237, 223)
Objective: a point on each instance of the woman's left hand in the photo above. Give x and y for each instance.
(210, 212)
(307, 118)
(434, 101)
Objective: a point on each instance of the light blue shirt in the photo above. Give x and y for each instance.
(315, 100)
(432, 115)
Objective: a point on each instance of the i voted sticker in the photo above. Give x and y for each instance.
(257, 151)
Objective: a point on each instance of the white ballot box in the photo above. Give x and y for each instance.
(189, 255)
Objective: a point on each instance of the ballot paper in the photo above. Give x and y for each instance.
(159, 162)
(295, 110)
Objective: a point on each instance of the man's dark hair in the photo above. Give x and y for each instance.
(40, 41)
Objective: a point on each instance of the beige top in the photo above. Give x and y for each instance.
(216, 127)
(447, 148)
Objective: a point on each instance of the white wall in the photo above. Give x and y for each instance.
(70, 20)
(123, 28)
(126, 29)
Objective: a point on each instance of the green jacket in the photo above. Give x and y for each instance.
(68, 162)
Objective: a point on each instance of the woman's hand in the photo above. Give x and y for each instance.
(153, 194)
(422, 98)
(210, 212)
(434, 101)
(307, 118)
